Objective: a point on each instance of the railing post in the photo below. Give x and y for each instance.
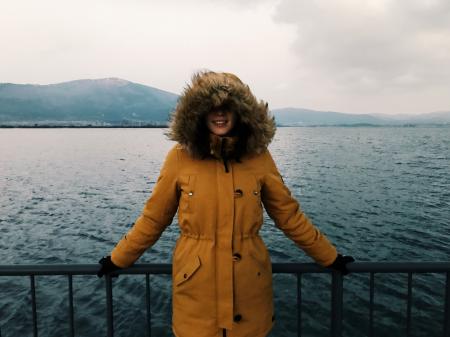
(71, 322)
(408, 306)
(447, 307)
(299, 304)
(109, 307)
(371, 302)
(33, 305)
(148, 304)
(336, 304)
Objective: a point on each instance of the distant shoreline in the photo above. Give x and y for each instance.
(165, 126)
(82, 127)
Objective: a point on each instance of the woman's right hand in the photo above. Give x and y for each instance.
(107, 266)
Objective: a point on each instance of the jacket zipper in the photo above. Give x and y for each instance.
(223, 155)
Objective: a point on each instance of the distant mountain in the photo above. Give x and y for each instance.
(295, 116)
(438, 117)
(305, 117)
(117, 102)
(108, 100)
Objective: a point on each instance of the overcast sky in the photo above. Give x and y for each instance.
(355, 56)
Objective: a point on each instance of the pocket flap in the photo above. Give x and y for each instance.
(187, 271)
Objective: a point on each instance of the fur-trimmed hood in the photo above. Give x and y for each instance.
(209, 90)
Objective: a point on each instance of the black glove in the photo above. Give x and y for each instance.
(107, 267)
(340, 264)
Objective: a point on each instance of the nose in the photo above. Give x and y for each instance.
(219, 112)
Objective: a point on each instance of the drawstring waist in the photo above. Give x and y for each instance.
(204, 237)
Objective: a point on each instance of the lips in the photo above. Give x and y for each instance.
(220, 122)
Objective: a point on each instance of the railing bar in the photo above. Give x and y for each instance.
(336, 304)
(299, 304)
(109, 307)
(408, 308)
(371, 303)
(447, 307)
(71, 320)
(33, 305)
(284, 268)
(148, 303)
(439, 267)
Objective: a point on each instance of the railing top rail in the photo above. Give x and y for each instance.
(166, 268)
(367, 267)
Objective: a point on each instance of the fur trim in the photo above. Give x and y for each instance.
(209, 90)
(222, 147)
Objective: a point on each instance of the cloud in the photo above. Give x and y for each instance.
(347, 55)
(371, 46)
(159, 43)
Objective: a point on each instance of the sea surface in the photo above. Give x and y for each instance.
(379, 194)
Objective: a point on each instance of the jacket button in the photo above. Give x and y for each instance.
(237, 318)
(185, 276)
(255, 192)
(238, 193)
(237, 257)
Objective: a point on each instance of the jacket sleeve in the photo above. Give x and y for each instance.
(157, 214)
(288, 216)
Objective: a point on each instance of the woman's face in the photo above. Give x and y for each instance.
(220, 122)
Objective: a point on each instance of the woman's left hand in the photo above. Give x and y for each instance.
(340, 264)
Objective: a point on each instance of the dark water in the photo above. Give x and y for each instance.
(380, 194)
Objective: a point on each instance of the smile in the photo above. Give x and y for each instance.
(220, 123)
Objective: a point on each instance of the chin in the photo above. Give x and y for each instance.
(220, 132)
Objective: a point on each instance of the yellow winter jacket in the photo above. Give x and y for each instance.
(222, 275)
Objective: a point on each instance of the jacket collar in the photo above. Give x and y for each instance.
(222, 147)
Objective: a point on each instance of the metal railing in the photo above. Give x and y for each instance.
(297, 269)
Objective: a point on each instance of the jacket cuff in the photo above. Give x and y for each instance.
(118, 261)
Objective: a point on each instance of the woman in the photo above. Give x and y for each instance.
(218, 176)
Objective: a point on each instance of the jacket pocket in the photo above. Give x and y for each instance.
(187, 271)
(263, 262)
(256, 195)
(262, 267)
(188, 194)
